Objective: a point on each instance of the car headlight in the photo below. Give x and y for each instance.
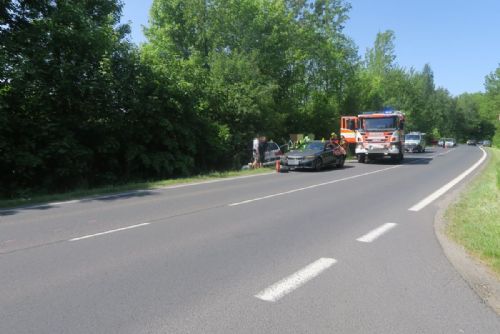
(310, 157)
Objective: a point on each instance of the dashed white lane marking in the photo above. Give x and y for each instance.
(311, 186)
(445, 152)
(296, 280)
(374, 234)
(108, 232)
(438, 193)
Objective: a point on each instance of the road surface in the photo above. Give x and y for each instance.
(337, 251)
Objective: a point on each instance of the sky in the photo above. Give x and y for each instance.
(460, 39)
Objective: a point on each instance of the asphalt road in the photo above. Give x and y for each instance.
(278, 253)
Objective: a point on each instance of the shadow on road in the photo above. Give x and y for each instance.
(54, 205)
(413, 160)
(323, 170)
(418, 161)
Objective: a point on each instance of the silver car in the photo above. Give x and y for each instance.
(450, 142)
(273, 152)
(486, 143)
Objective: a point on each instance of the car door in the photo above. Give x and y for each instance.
(272, 151)
(328, 154)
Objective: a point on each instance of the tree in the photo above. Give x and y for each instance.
(491, 106)
(58, 97)
(381, 58)
(271, 67)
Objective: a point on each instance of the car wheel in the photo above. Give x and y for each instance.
(318, 164)
(361, 158)
(341, 162)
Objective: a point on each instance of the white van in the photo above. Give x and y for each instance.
(415, 142)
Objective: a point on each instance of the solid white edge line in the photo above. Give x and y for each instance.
(441, 191)
(374, 234)
(294, 281)
(310, 187)
(108, 232)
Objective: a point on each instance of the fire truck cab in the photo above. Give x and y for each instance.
(376, 135)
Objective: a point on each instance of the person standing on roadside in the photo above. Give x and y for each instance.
(334, 139)
(255, 152)
(262, 150)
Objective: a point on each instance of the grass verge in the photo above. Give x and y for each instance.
(112, 189)
(474, 221)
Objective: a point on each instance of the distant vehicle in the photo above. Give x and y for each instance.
(441, 142)
(471, 142)
(450, 142)
(486, 143)
(415, 142)
(315, 155)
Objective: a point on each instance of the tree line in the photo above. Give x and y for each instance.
(81, 105)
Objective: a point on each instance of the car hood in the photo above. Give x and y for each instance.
(298, 153)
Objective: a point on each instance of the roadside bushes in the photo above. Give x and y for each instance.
(79, 108)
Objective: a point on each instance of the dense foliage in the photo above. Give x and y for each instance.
(81, 106)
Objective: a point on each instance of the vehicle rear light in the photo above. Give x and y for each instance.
(279, 153)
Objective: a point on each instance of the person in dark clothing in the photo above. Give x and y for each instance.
(262, 150)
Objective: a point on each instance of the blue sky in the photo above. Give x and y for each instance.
(460, 39)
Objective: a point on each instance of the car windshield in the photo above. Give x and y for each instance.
(412, 137)
(379, 123)
(314, 146)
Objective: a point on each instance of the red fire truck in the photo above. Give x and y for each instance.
(375, 134)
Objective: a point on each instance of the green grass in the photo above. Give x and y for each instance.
(474, 221)
(106, 190)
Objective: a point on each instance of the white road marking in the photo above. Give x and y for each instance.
(445, 152)
(374, 234)
(311, 186)
(438, 193)
(296, 280)
(108, 232)
(61, 203)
